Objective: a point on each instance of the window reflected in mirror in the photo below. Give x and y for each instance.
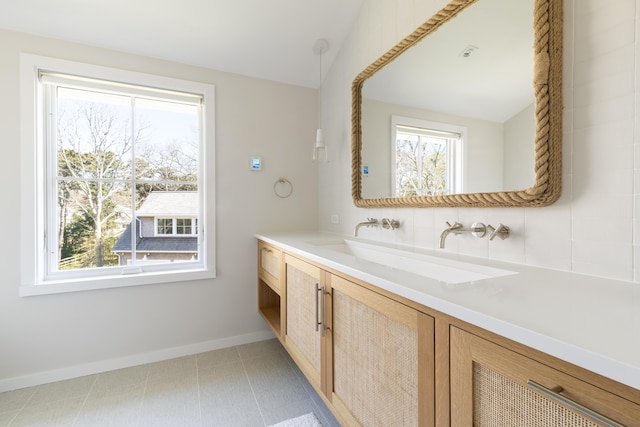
(428, 158)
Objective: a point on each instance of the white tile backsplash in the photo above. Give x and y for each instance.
(596, 44)
(597, 17)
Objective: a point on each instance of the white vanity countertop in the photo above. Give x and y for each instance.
(589, 321)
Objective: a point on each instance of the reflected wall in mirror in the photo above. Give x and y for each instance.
(466, 111)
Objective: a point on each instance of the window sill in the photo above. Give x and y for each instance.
(115, 281)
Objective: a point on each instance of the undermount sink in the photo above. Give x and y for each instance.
(442, 269)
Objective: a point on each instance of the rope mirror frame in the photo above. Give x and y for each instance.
(547, 83)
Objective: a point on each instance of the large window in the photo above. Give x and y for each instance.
(115, 146)
(428, 158)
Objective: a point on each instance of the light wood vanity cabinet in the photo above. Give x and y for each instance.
(378, 359)
(370, 356)
(492, 385)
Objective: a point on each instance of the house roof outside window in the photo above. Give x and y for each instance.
(162, 204)
(174, 204)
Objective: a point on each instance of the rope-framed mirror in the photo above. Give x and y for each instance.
(546, 85)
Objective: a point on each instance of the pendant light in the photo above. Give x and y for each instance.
(319, 148)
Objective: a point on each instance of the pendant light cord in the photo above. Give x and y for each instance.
(320, 89)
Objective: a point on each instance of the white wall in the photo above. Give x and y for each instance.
(50, 337)
(591, 229)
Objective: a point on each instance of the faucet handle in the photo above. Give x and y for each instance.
(502, 232)
(390, 223)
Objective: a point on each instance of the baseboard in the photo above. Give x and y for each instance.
(128, 361)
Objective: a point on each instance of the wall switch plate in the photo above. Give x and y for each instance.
(255, 163)
(335, 219)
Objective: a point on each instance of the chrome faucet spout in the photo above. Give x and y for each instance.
(370, 222)
(455, 228)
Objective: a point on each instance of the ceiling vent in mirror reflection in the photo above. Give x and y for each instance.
(469, 51)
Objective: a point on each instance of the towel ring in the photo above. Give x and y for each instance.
(280, 192)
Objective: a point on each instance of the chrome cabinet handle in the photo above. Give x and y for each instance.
(317, 316)
(319, 307)
(322, 310)
(554, 394)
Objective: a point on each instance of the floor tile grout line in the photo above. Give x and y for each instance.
(144, 390)
(84, 402)
(24, 405)
(253, 392)
(199, 391)
(301, 377)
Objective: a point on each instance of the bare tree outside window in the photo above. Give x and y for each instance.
(421, 164)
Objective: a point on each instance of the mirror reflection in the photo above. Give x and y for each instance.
(456, 112)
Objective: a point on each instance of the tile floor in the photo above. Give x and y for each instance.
(249, 385)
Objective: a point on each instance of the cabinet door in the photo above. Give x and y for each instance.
(383, 359)
(494, 386)
(303, 335)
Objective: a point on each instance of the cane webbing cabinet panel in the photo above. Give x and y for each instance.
(381, 369)
(302, 336)
(491, 386)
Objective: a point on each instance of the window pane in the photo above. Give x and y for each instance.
(93, 134)
(183, 226)
(407, 157)
(167, 148)
(434, 165)
(165, 226)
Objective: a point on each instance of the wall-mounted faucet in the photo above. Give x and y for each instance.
(386, 223)
(370, 222)
(478, 229)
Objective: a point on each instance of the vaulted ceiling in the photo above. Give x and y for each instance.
(270, 39)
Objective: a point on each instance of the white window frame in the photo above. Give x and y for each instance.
(34, 280)
(455, 152)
